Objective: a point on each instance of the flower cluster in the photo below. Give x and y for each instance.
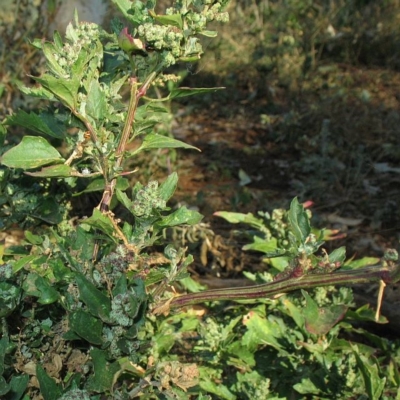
(147, 199)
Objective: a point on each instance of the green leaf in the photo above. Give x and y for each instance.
(260, 331)
(168, 187)
(320, 321)
(210, 34)
(48, 386)
(65, 90)
(100, 221)
(36, 285)
(86, 326)
(54, 171)
(4, 386)
(210, 385)
(98, 185)
(123, 199)
(97, 302)
(9, 298)
(156, 141)
(172, 20)
(18, 386)
(186, 91)
(19, 264)
(104, 372)
(240, 218)
(369, 368)
(299, 221)
(180, 216)
(96, 101)
(48, 211)
(31, 152)
(338, 255)
(49, 51)
(44, 124)
(124, 6)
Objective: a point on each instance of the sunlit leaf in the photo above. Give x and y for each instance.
(299, 221)
(31, 152)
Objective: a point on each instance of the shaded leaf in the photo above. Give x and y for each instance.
(104, 372)
(31, 152)
(44, 123)
(86, 326)
(48, 386)
(97, 302)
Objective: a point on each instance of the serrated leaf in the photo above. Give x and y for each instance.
(64, 90)
(49, 51)
(97, 302)
(54, 171)
(172, 20)
(299, 222)
(186, 91)
(124, 6)
(42, 123)
(180, 216)
(320, 320)
(156, 141)
(86, 326)
(48, 386)
(31, 152)
(123, 199)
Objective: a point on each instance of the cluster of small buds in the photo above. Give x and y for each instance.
(148, 199)
(78, 38)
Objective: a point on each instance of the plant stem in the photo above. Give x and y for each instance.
(389, 272)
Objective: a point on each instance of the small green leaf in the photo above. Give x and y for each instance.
(172, 20)
(168, 187)
(156, 141)
(54, 171)
(44, 291)
(338, 255)
(86, 326)
(98, 303)
(186, 91)
(31, 152)
(44, 123)
(180, 216)
(210, 34)
(49, 389)
(20, 263)
(299, 221)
